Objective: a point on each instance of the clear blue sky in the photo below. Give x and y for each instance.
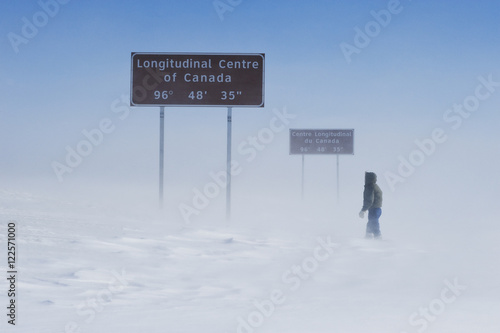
(394, 90)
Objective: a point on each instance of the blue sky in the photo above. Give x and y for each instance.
(394, 91)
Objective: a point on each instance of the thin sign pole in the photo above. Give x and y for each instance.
(338, 179)
(228, 163)
(302, 183)
(162, 134)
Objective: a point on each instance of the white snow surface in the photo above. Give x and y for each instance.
(91, 268)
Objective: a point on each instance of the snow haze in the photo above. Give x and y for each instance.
(419, 83)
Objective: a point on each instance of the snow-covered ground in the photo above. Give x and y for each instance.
(95, 268)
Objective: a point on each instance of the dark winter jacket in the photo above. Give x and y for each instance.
(372, 195)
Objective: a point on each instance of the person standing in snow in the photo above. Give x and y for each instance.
(372, 202)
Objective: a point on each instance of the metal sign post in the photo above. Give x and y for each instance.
(228, 163)
(162, 142)
(302, 182)
(338, 181)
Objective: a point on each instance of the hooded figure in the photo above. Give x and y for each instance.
(372, 202)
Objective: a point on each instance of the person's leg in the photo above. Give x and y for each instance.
(373, 221)
(369, 231)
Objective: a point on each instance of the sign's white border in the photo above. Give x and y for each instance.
(320, 129)
(198, 54)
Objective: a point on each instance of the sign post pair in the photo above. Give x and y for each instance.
(197, 79)
(321, 142)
